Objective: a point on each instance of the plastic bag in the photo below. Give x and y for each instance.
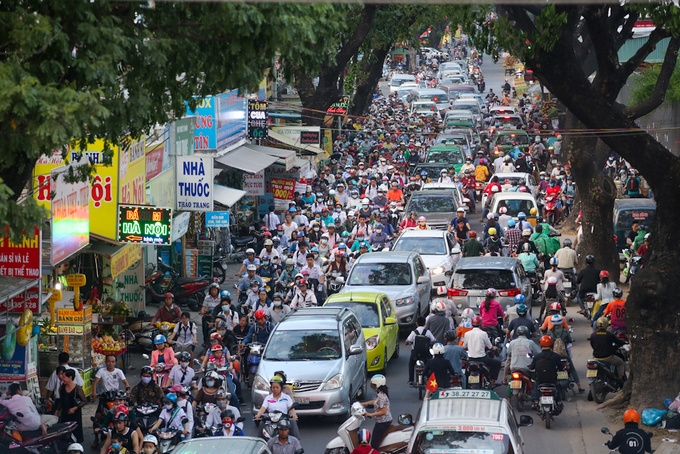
(652, 416)
(675, 405)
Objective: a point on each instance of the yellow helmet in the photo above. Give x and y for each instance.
(533, 211)
(492, 231)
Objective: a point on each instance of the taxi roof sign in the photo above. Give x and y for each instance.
(464, 394)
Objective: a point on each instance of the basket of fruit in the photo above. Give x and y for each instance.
(108, 345)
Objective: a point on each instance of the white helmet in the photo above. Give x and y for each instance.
(250, 251)
(501, 210)
(378, 380)
(552, 280)
(439, 306)
(150, 439)
(442, 290)
(365, 200)
(468, 313)
(75, 447)
(437, 349)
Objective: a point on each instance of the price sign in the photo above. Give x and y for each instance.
(76, 280)
(144, 224)
(258, 119)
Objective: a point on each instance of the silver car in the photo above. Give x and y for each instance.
(321, 351)
(403, 276)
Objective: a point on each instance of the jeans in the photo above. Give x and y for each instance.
(471, 195)
(617, 361)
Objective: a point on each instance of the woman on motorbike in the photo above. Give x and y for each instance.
(491, 311)
(163, 353)
(208, 392)
(338, 265)
(604, 294)
(382, 415)
(277, 400)
(172, 417)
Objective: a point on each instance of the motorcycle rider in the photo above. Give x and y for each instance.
(473, 247)
(278, 309)
(528, 259)
(185, 332)
(110, 377)
(250, 255)
(518, 351)
(149, 445)
(546, 365)
(229, 428)
(438, 323)
(131, 438)
(606, 345)
(284, 443)
(566, 257)
(169, 312)
(172, 416)
(519, 320)
(455, 354)
(631, 439)
(476, 342)
(381, 404)
(245, 283)
(230, 315)
(182, 374)
(303, 297)
(616, 311)
(26, 416)
(146, 391)
(162, 353)
(421, 349)
(587, 280)
(440, 367)
(604, 294)
(260, 330)
(214, 418)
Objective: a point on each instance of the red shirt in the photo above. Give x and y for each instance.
(490, 186)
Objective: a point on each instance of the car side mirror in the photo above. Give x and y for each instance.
(355, 349)
(390, 321)
(423, 279)
(526, 421)
(405, 419)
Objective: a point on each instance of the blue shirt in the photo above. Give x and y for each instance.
(454, 221)
(455, 354)
(262, 334)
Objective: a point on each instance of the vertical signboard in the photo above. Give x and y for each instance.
(70, 209)
(258, 119)
(253, 183)
(132, 174)
(182, 133)
(194, 183)
(231, 111)
(205, 132)
(42, 183)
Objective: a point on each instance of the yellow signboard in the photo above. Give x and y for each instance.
(76, 280)
(71, 316)
(74, 330)
(41, 177)
(55, 295)
(132, 174)
(125, 258)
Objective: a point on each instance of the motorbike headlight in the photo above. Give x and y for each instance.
(275, 417)
(261, 384)
(372, 342)
(334, 382)
(404, 301)
(438, 270)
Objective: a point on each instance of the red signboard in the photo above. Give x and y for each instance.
(283, 188)
(23, 259)
(18, 304)
(154, 162)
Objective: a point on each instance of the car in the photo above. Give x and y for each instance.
(454, 89)
(398, 79)
(625, 212)
(467, 421)
(378, 319)
(502, 110)
(433, 170)
(452, 155)
(451, 79)
(473, 276)
(459, 113)
(461, 139)
(223, 445)
(440, 97)
(423, 107)
(469, 104)
(321, 351)
(439, 251)
(522, 179)
(515, 202)
(439, 207)
(508, 121)
(504, 140)
(478, 96)
(461, 200)
(403, 276)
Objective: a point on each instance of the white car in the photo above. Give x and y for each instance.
(461, 200)
(515, 202)
(523, 179)
(439, 251)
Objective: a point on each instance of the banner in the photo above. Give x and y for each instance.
(258, 119)
(132, 174)
(182, 133)
(253, 183)
(194, 183)
(28, 300)
(24, 259)
(283, 190)
(70, 215)
(217, 219)
(204, 122)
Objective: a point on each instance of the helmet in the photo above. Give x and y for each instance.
(259, 314)
(215, 285)
(78, 447)
(522, 309)
(450, 335)
(227, 414)
(492, 231)
(171, 397)
(511, 222)
(150, 439)
(216, 348)
(184, 356)
(494, 188)
(552, 280)
(555, 307)
(501, 210)
(217, 336)
(159, 339)
(282, 374)
(519, 299)
(603, 274)
(364, 436)
(146, 370)
(554, 261)
(617, 292)
(276, 379)
(220, 324)
(250, 251)
(224, 294)
(290, 262)
(566, 242)
(365, 201)
(522, 331)
(439, 306)
(477, 321)
(590, 259)
(378, 380)
(283, 424)
(556, 319)
(526, 232)
(521, 215)
(473, 234)
(437, 349)
(422, 219)
(251, 268)
(629, 415)
(120, 395)
(602, 323)
(443, 171)
(442, 290)
(546, 341)
(121, 416)
(278, 295)
(221, 394)
(491, 292)
(468, 313)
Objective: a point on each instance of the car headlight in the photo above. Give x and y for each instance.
(334, 382)
(438, 270)
(260, 384)
(404, 301)
(372, 342)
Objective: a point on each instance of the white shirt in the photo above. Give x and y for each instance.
(476, 342)
(176, 374)
(412, 337)
(283, 404)
(24, 405)
(110, 380)
(53, 383)
(170, 422)
(289, 229)
(271, 220)
(214, 419)
(185, 333)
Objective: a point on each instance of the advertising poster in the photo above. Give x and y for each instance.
(283, 190)
(205, 137)
(253, 183)
(18, 354)
(231, 111)
(217, 219)
(70, 210)
(21, 259)
(194, 183)
(132, 174)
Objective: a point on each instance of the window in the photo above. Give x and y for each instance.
(367, 313)
(380, 274)
(517, 205)
(426, 246)
(383, 310)
(478, 279)
(432, 204)
(439, 440)
(303, 345)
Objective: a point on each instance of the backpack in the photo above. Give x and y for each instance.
(632, 184)
(560, 340)
(421, 344)
(545, 371)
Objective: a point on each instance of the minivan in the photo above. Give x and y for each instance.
(321, 351)
(625, 212)
(399, 79)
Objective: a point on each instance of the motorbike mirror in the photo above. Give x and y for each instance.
(295, 405)
(530, 355)
(605, 431)
(145, 356)
(405, 419)
(240, 419)
(526, 421)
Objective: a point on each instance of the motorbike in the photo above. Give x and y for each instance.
(602, 377)
(479, 189)
(239, 245)
(168, 439)
(146, 416)
(589, 303)
(519, 389)
(569, 284)
(606, 431)
(395, 441)
(565, 379)
(140, 333)
(481, 86)
(335, 282)
(270, 420)
(550, 204)
(161, 374)
(219, 265)
(34, 440)
(547, 406)
(477, 374)
(635, 262)
(188, 291)
(106, 402)
(253, 359)
(536, 289)
(420, 378)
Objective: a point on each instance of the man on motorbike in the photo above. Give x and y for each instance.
(476, 342)
(546, 365)
(184, 335)
(222, 399)
(182, 374)
(631, 439)
(147, 391)
(131, 439)
(606, 345)
(303, 296)
(26, 416)
(440, 366)
(616, 311)
(587, 280)
(260, 330)
(169, 312)
(469, 184)
(245, 283)
(566, 256)
(284, 443)
(229, 428)
(518, 351)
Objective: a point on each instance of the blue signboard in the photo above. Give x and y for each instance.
(231, 114)
(205, 132)
(217, 219)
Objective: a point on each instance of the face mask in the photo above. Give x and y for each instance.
(210, 383)
(225, 308)
(280, 233)
(221, 332)
(552, 185)
(542, 178)
(360, 238)
(222, 403)
(355, 196)
(324, 241)
(316, 229)
(184, 364)
(115, 446)
(277, 303)
(227, 424)
(337, 210)
(146, 380)
(265, 263)
(365, 205)
(378, 231)
(148, 450)
(317, 219)
(168, 406)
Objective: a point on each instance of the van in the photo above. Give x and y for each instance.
(399, 79)
(625, 212)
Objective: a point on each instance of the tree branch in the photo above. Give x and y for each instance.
(350, 48)
(626, 28)
(647, 48)
(659, 92)
(603, 43)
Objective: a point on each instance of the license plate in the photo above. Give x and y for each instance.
(589, 305)
(473, 379)
(302, 400)
(562, 375)
(567, 284)
(546, 400)
(591, 373)
(516, 384)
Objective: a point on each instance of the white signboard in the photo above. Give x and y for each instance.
(194, 183)
(253, 183)
(180, 225)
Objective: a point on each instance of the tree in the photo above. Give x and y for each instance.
(558, 36)
(73, 70)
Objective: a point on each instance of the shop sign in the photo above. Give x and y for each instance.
(283, 190)
(340, 107)
(125, 258)
(42, 181)
(75, 330)
(144, 224)
(15, 358)
(154, 162)
(182, 133)
(205, 137)
(310, 137)
(73, 316)
(132, 173)
(180, 225)
(70, 209)
(23, 259)
(28, 300)
(217, 219)
(131, 287)
(76, 280)
(258, 119)
(328, 141)
(253, 183)
(162, 190)
(231, 112)
(194, 183)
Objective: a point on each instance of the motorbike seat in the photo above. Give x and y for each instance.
(242, 240)
(546, 387)
(479, 364)
(30, 434)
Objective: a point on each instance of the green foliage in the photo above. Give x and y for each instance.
(644, 82)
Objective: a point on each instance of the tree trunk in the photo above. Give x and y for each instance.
(371, 72)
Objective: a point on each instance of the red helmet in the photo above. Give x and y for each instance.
(603, 274)
(300, 282)
(546, 341)
(216, 348)
(279, 227)
(477, 321)
(169, 295)
(631, 415)
(555, 307)
(123, 409)
(473, 234)
(259, 314)
(217, 336)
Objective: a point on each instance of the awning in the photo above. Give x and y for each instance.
(226, 196)
(295, 143)
(122, 255)
(246, 159)
(13, 286)
(286, 157)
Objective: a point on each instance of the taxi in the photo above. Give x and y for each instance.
(467, 421)
(378, 320)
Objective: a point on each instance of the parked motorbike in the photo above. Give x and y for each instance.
(396, 440)
(548, 407)
(239, 244)
(219, 265)
(520, 389)
(189, 292)
(146, 416)
(603, 379)
(57, 438)
(589, 302)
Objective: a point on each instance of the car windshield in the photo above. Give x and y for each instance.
(445, 157)
(432, 172)
(508, 139)
(436, 97)
(221, 445)
(512, 180)
(514, 121)
(515, 206)
(459, 140)
(380, 274)
(303, 345)
(432, 204)
(367, 313)
(475, 279)
(472, 107)
(438, 441)
(424, 246)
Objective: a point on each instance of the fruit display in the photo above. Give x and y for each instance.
(25, 328)
(548, 107)
(120, 308)
(98, 359)
(107, 345)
